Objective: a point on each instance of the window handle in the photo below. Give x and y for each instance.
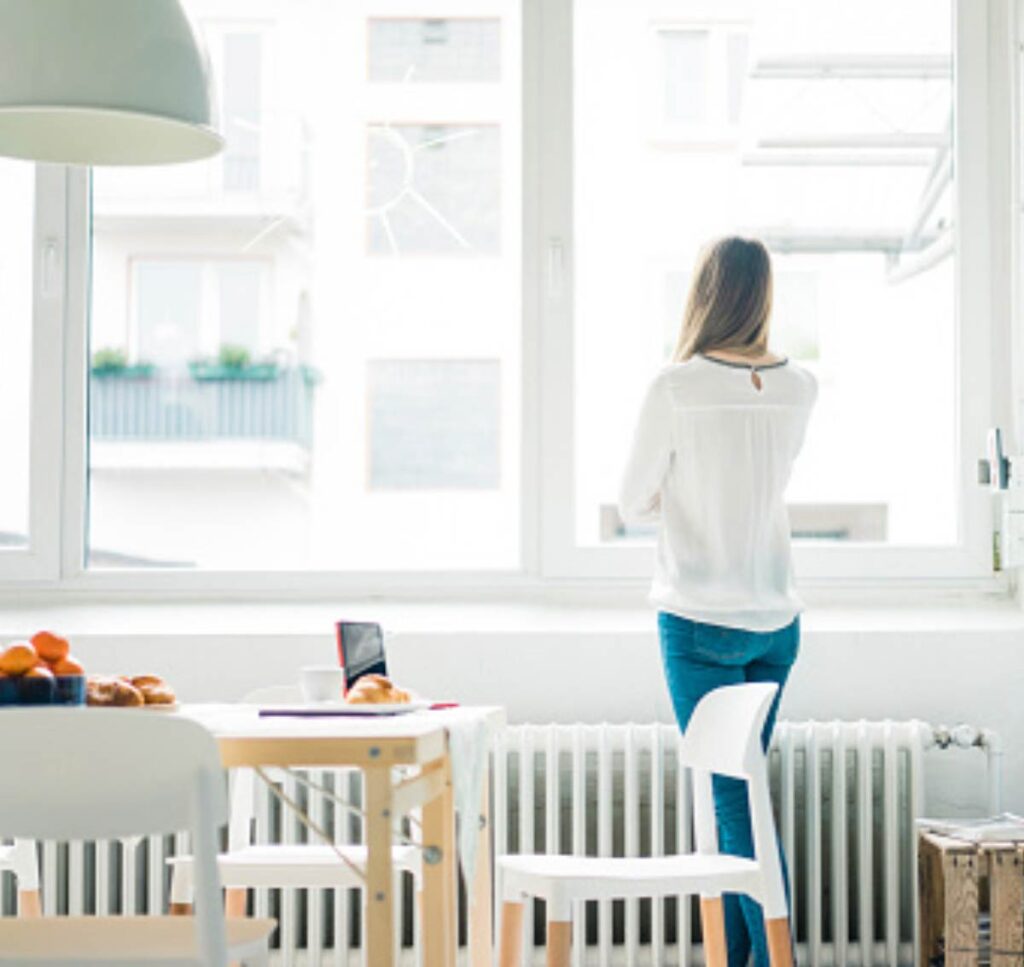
(556, 267)
(50, 268)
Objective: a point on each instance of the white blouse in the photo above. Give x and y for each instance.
(711, 460)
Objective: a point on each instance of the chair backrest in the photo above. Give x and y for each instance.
(88, 773)
(91, 773)
(724, 732)
(724, 737)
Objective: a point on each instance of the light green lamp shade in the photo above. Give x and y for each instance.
(103, 82)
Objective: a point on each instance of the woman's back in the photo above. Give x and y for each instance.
(712, 457)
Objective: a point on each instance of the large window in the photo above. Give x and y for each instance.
(17, 191)
(836, 144)
(312, 360)
(396, 334)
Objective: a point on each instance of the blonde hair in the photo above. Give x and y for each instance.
(730, 300)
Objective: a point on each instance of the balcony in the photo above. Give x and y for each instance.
(165, 421)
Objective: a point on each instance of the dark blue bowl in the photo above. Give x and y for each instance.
(27, 691)
(69, 690)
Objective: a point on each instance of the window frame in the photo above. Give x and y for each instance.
(550, 557)
(967, 563)
(40, 557)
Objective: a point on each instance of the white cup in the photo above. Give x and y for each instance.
(322, 683)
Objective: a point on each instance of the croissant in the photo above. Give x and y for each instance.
(376, 690)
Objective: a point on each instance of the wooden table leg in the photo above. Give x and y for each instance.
(379, 893)
(481, 903)
(439, 896)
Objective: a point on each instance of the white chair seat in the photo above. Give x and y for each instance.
(116, 940)
(560, 879)
(308, 866)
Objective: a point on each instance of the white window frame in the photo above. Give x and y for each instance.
(551, 557)
(39, 559)
(965, 564)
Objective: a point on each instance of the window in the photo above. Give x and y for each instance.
(17, 191)
(414, 50)
(435, 424)
(842, 159)
(242, 78)
(321, 373)
(189, 308)
(433, 189)
(396, 335)
(700, 79)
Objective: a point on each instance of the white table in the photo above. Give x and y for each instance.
(377, 745)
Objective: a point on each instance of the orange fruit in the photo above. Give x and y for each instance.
(39, 671)
(49, 646)
(67, 666)
(18, 658)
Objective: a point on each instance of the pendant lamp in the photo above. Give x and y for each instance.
(103, 82)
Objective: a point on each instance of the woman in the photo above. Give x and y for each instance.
(717, 436)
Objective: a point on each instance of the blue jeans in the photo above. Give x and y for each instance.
(701, 657)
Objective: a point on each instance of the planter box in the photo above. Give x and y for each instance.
(215, 371)
(141, 371)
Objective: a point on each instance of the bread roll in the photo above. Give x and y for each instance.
(107, 691)
(376, 690)
(155, 691)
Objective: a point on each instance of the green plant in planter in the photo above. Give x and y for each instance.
(108, 360)
(233, 357)
(233, 362)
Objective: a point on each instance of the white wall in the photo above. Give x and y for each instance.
(594, 664)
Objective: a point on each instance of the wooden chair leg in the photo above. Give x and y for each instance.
(511, 934)
(29, 904)
(559, 942)
(235, 901)
(712, 923)
(780, 945)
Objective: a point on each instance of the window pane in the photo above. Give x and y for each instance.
(167, 311)
(685, 71)
(839, 157)
(241, 304)
(435, 50)
(434, 424)
(434, 189)
(241, 106)
(17, 194)
(317, 365)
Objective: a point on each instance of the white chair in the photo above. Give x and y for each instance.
(724, 737)
(112, 773)
(248, 866)
(20, 859)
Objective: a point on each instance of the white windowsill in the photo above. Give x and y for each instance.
(123, 619)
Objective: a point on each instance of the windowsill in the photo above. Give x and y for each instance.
(626, 614)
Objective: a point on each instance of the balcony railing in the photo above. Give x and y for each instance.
(182, 409)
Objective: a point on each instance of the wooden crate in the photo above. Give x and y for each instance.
(958, 882)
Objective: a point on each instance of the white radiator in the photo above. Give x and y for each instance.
(846, 796)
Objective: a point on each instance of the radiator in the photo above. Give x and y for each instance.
(846, 796)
